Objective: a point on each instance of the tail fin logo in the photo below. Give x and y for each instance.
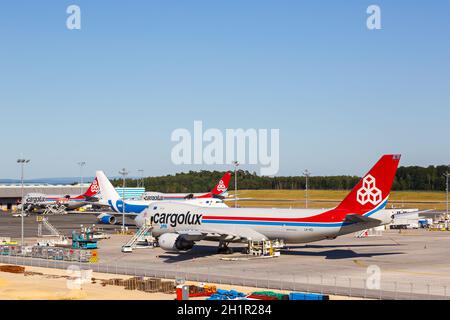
(369, 193)
(221, 186)
(95, 188)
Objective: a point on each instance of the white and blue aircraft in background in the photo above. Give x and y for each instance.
(132, 207)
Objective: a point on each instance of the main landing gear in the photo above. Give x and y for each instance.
(224, 248)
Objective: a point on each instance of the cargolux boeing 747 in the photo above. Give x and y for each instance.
(33, 201)
(219, 192)
(179, 225)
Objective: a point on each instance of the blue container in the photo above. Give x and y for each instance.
(226, 295)
(296, 296)
(306, 296)
(237, 294)
(312, 296)
(217, 297)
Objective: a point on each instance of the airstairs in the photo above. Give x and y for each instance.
(362, 234)
(373, 232)
(43, 223)
(141, 239)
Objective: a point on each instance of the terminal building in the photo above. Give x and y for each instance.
(11, 194)
(130, 193)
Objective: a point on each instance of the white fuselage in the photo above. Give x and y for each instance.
(33, 201)
(158, 196)
(138, 206)
(291, 225)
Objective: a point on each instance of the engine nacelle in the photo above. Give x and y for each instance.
(105, 218)
(174, 242)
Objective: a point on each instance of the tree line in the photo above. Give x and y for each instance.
(413, 178)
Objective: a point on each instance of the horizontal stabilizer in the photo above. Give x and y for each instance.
(356, 218)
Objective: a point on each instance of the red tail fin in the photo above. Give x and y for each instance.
(93, 189)
(374, 188)
(222, 186)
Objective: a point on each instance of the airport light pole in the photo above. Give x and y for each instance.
(141, 178)
(22, 163)
(81, 164)
(236, 165)
(124, 174)
(447, 175)
(307, 174)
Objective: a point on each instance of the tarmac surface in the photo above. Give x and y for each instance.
(11, 226)
(396, 265)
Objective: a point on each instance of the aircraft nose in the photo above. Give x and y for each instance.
(139, 220)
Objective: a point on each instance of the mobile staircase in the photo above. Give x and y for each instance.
(141, 239)
(44, 224)
(362, 234)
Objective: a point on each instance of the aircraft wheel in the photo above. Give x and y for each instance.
(224, 250)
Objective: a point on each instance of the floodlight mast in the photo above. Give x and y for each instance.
(124, 174)
(22, 163)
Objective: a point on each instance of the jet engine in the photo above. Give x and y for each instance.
(174, 242)
(105, 218)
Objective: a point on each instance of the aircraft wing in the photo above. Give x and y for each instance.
(422, 212)
(116, 214)
(241, 234)
(250, 234)
(96, 203)
(238, 199)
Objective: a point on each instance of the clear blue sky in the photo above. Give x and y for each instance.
(112, 93)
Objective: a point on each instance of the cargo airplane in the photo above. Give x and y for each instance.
(178, 226)
(34, 201)
(110, 198)
(219, 192)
